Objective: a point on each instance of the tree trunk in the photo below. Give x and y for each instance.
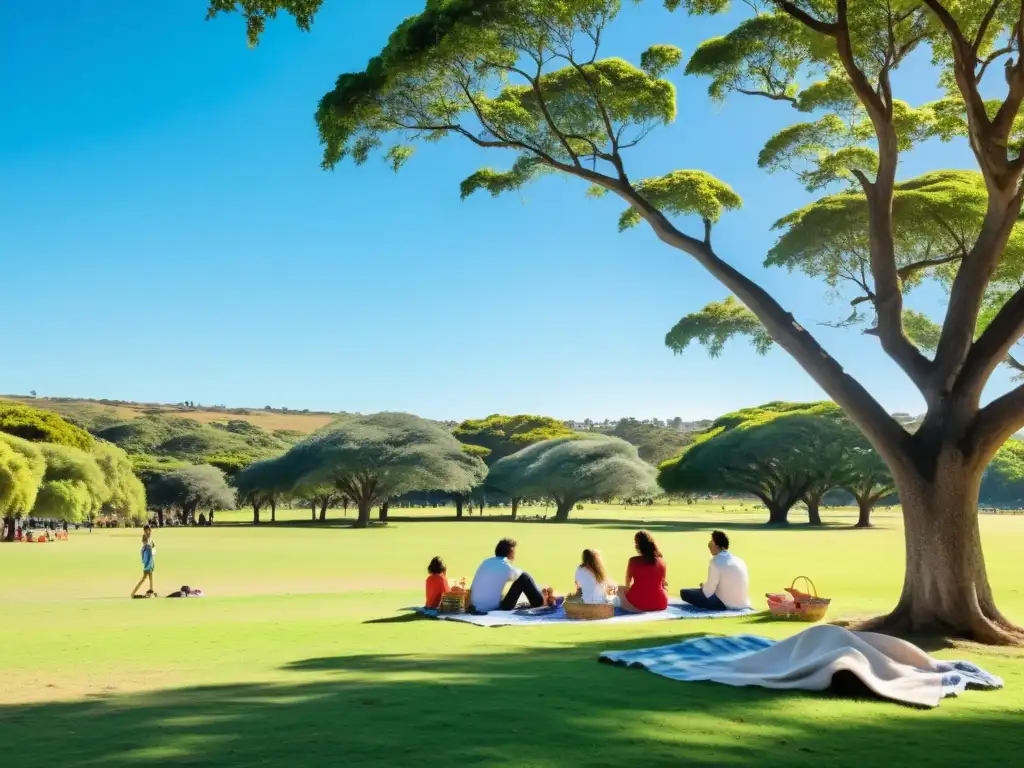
(323, 509)
(562, 510)
(365, 507)
(515, 507)
(813, 510)
(945, 587)
(382, 514)
(864, 505)
(312, 511)
(344, 505)
(211, 517)
(458, 506)
(256, 513)
(10, 524)
(482, 503)
(160, 517)
(777, 514)
(273, 510)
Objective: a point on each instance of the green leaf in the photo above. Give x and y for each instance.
(659, 59)
(398, 156)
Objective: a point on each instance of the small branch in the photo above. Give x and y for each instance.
(983, 27)
(989, 59)
(765, 94)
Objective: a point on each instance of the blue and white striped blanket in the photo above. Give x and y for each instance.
(715, 659)
(544, 616)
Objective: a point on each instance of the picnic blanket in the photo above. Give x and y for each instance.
(891, 668)
(537, 616)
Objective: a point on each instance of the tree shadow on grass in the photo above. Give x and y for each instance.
(547, 706)
(697, 526)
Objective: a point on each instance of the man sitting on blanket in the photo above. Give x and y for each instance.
(728, 580)
(485, 594)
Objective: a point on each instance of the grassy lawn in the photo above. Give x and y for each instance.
(300, 657)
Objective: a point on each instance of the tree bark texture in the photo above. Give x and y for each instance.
(382, 513)
(562, 510)
(945, 587)
(813, 510)
(864, 506)
(458, 506)
(515, 507)
(365, 507)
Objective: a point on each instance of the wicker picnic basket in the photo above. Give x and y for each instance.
(576, 609)
(805, 606)
(452, 602)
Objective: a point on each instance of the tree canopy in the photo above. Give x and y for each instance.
(41, 426)
(372, 459)
(568, 470)
(1002, 485)
(500, 436)
(74, 487)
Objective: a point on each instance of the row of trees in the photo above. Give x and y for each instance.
(378, 459)
(52, 469)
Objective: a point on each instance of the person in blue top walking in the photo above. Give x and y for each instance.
(148, 563)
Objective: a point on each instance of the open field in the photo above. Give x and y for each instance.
(300, 657)
(268, 420)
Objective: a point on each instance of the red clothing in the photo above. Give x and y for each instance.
(647, 591)
(437, 585)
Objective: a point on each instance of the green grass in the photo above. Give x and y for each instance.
(299, 656)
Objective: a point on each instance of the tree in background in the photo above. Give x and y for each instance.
(654, 441)
(74, 487)
(189, 489)
(127, 500)
(21, 472)
(568, 470)
(1003, 482)
(868, 479)
(499, 436)
(266, 483)
(373, 459)
(40, 426)
(780, 453)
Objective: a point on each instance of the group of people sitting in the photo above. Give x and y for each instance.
(644, 589)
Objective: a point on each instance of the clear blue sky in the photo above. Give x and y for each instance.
(166, 234)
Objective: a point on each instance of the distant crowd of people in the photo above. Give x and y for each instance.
(499, 585)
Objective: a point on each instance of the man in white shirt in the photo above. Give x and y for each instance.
(728, 579)
(485, 593)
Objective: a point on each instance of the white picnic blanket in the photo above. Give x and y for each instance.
(539, 616)
(892, 668)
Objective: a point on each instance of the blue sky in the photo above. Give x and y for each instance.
(166, 234)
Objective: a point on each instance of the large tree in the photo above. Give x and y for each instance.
(780, 453)
(499, 436)
(568, 470)
(528, 77)
(373, 459)
(21, 472)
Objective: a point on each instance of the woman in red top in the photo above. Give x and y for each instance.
(437, 582)
(644, 588)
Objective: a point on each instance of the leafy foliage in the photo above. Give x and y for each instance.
(74, 487)
(127, 498)
(191, 488)
(716, 324)
(570, 469)
(21, 471)
(1003, 482)
(40, 426)
(499, 436)
(654, 444)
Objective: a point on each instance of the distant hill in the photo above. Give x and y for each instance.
(96, 415)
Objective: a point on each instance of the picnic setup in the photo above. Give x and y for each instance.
(819, 658)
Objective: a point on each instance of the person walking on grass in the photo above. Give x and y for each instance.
(728, 580)
(148, 564)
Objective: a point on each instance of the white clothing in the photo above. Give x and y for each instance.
(488, 585)
(593, 591)
(729, 579)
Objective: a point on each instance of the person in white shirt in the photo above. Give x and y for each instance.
(591, 578)
(485, 593)
(728, 580)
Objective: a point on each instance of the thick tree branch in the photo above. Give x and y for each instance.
(767, 95)
(994, 424)
(993, 346)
